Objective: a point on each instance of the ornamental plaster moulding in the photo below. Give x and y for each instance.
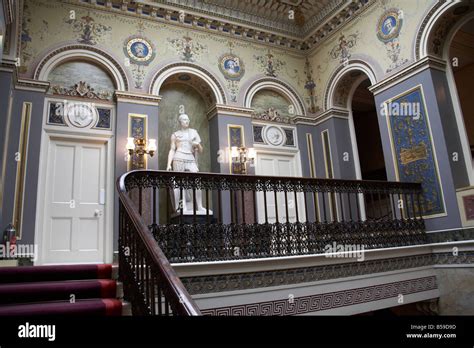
(266, 22)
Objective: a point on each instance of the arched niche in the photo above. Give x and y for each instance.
(189, 94)
(190, 69)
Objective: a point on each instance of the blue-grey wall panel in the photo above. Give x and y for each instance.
(302, 130)
(32, 162)
(450, 129)
(5, 92)
(121, 134)
(342, 149)
(424, 78)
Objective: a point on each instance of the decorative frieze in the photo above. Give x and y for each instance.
(329, 300)
(82, 90)
(254, 280)
(272, 115)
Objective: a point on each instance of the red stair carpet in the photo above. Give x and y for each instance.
(59, 290)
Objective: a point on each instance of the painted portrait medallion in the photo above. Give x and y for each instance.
(389, 25)
(231, 66)
(139, 50)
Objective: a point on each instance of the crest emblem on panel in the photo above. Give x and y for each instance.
(231, 66)
(139, 50)
(389, 25)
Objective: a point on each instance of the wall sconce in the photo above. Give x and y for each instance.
(241, 156)
(139, 147)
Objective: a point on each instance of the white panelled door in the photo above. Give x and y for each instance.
(279, 165)
(74, 221)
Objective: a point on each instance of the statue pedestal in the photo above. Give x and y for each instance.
(189, 219)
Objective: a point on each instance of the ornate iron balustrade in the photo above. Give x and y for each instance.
(259, 217)
(150, 283)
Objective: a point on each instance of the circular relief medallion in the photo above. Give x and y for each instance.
(139, 50)
(231, 66)
(389, 25)
(80, 115)
(274, 136)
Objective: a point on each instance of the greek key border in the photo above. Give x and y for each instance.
(330, 300)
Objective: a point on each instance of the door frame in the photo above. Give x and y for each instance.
(51, 132)
(295, 154)
(287, 153)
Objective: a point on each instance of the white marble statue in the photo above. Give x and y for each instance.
(185, 147)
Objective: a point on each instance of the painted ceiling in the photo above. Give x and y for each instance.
(293, 24)
(277, 10)
(296, 17)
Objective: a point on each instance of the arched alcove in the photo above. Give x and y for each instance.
(190, 69)
(184, 93)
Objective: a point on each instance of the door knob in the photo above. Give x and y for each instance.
(98, 213)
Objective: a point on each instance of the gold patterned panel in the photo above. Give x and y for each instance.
(21, 157)
(413, 154)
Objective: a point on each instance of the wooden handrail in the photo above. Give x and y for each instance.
(182, 300)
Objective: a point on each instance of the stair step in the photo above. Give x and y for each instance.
(54, 273)
(90, 307)
(57, 290)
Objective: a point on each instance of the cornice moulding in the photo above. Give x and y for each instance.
(429, 62)
(32, 85)
(260, 36)
(326, 115)
(137, 98)
(227, 110)
(248, 29)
